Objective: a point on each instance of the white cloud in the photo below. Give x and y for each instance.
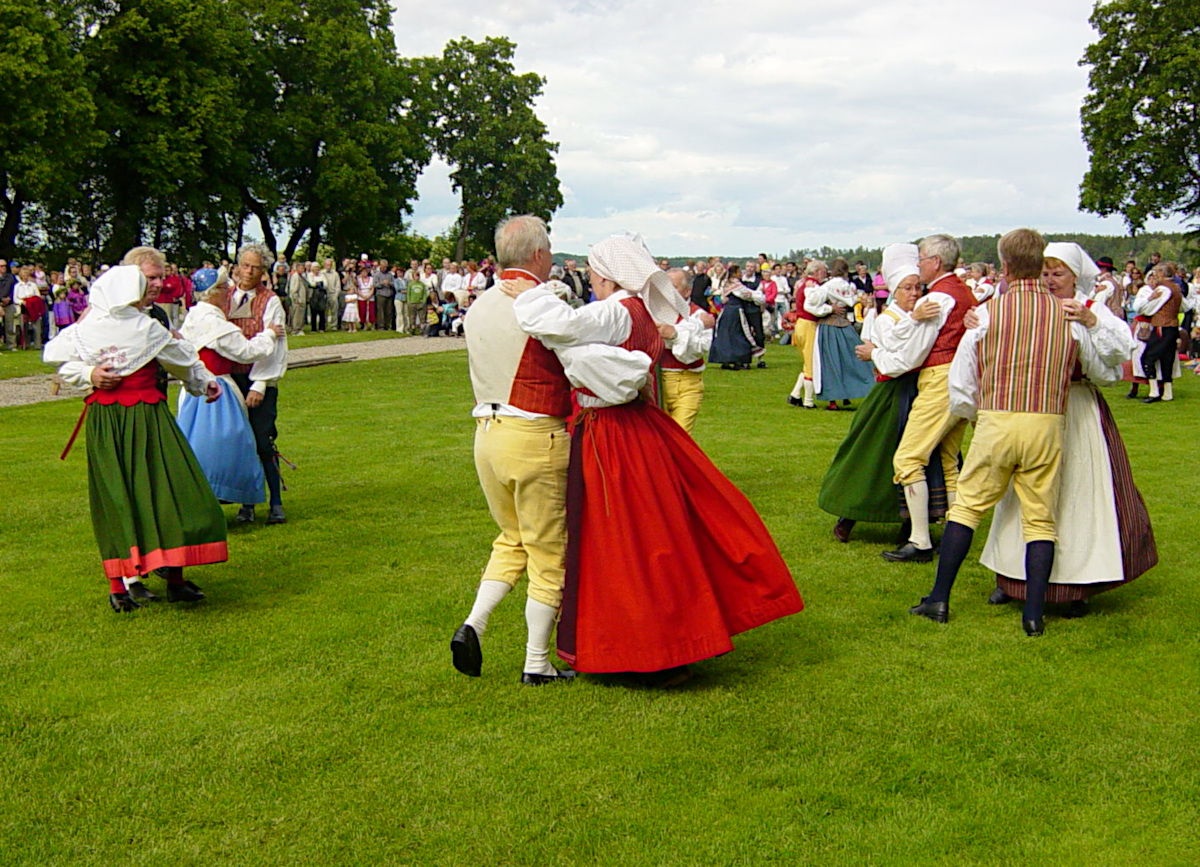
(734, 127)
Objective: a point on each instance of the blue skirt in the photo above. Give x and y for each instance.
(843, 376)
(220, 435)
(733, 341)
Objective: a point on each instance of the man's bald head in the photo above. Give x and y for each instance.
(679, 279)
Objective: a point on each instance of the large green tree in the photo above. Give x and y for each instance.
(1140, 115)
(336, 146)
(47, 109)
(485, 127)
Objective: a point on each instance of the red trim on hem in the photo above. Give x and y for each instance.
(189, 555)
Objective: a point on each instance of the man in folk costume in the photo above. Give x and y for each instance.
(858, 485)
(1105, 538)
(1021, 355)
(151, 505)
(522, 400)
(254, 308)
(683, 358)
(803, 393)
(932, 433)
(1160, 304)
(666, 559)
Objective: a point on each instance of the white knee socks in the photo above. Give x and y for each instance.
(916, 497)
(489, 596)
(539, 618)
(809, 392)
(1154, 388)
(1168, 393)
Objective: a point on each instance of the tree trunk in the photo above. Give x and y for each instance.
(13, 209)
(259, 210)
(314, 244)
(461, 247)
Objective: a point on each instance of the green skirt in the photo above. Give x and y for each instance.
(151, 505)
(858, 484)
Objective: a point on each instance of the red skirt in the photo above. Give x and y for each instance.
(666, 558)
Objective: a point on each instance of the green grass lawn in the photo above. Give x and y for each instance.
(307, 712)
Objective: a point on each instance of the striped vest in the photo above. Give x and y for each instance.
(1027, 353)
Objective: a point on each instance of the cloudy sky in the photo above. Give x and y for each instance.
(734, 127)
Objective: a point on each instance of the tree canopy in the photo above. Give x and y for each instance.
(174, 122)
(1139, 116)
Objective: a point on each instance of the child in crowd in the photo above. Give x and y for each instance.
(449, 312)
(61, 314)
(433, 314)
(350, 317)
(458, 322)
(76, 298)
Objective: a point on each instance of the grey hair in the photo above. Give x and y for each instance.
(140, 255)
(518, 239)
(678, 277)
(945, 247)
(260, 250)
(813, 266)
(209, 295)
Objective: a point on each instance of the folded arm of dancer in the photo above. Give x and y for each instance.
(1149, 301)
(816, 301)
(688, 344)
(542, 314)
(178, 357)
(901, 346)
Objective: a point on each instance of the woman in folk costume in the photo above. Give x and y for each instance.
(735, 342)
(837, 373)
(858, 485)
(1104, 533)
(151, 506)
(666, 559)
(219, 432)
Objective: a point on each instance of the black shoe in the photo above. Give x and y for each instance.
(795, 401)
(938, 612)
(846, 402)
(245, 515)
(762, 364)
(905, 532)
(1078, 608)
(1034, 628)
(728, 366)
(1148, 400)
(467, 656)
(276, 515)
(185, 592)
(999, 597)
(909, 553)
(121, 603)
(564, 676)
(841, 530)
(666, 678)
(140, 591)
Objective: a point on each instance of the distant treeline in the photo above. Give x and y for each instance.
(1175, 246)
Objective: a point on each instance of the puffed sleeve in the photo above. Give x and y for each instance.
(964, 372)
(181, 361)
(613, 375)
(542, 314)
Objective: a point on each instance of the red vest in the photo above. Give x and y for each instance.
(217, 363)
(540, 385)
(800, 287)
(952, 332)
(141, 386)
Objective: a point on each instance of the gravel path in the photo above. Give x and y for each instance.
(24, 390)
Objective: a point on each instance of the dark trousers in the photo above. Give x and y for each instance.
(317, 317)
(262, 422)
(385, 312)
(1160, 353)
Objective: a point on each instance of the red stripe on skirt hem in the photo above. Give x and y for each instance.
(189, 555)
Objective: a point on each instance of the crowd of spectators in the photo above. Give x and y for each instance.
(423, 298)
